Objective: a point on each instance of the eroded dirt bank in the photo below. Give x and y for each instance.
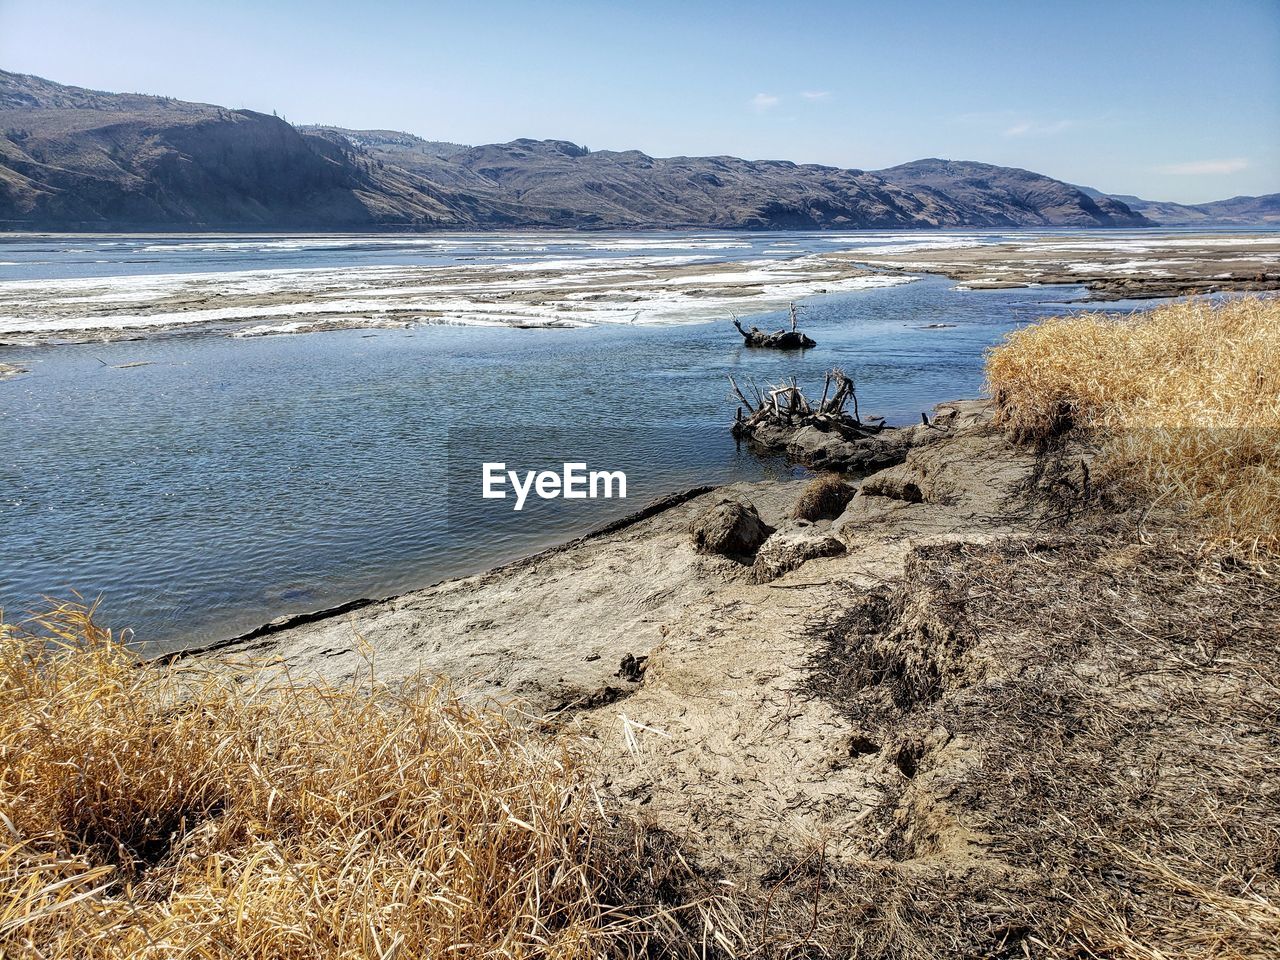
(1009, 717)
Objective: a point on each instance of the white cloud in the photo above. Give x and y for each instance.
(765, 101)
(1200, 167)
(816, 94)
(1028, 128)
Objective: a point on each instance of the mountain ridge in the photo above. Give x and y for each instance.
(74, 158)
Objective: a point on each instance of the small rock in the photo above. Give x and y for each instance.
(894, 483)
(731, 529)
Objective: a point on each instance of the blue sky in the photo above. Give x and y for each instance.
(1170, 100)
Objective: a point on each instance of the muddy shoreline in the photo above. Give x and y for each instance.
(504, 631)
(290, 621)
(938, 722)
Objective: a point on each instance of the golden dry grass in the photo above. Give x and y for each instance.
(149, 812)
(1186, 397)
(824, 496)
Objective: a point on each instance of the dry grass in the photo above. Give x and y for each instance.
(823, 497)
(151, 812)
(1091, 725)
(1186, 396)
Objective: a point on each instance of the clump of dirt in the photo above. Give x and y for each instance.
(902, 647)
(731, 529)
(791, 547)
(894, 484)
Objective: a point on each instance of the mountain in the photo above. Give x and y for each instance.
(572, 186)
(1244, 210)
(1237, 211)
(1030, 199)
(379, 142)
(72, 158)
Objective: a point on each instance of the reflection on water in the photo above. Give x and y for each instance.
(228, 481)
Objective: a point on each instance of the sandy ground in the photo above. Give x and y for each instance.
(550, 630)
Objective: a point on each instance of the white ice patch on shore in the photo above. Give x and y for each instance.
(1129, 267)
(546, 291)
(451, 243)
(1152, 244)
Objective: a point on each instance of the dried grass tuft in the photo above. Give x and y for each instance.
(1186, 396)
(163, 811)
(823, 497)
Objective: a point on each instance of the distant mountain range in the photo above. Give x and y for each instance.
(1238, 211)
(77, 159)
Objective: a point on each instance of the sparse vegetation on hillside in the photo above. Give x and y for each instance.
(1186, 399)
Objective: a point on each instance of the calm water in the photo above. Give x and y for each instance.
(230, 481)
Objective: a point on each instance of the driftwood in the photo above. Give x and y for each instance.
(828, 434)
(786, 408)
(791, 339)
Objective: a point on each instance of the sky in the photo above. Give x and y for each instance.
(1170, 100)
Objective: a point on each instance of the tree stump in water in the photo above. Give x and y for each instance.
(829, 433)
(791, 339)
